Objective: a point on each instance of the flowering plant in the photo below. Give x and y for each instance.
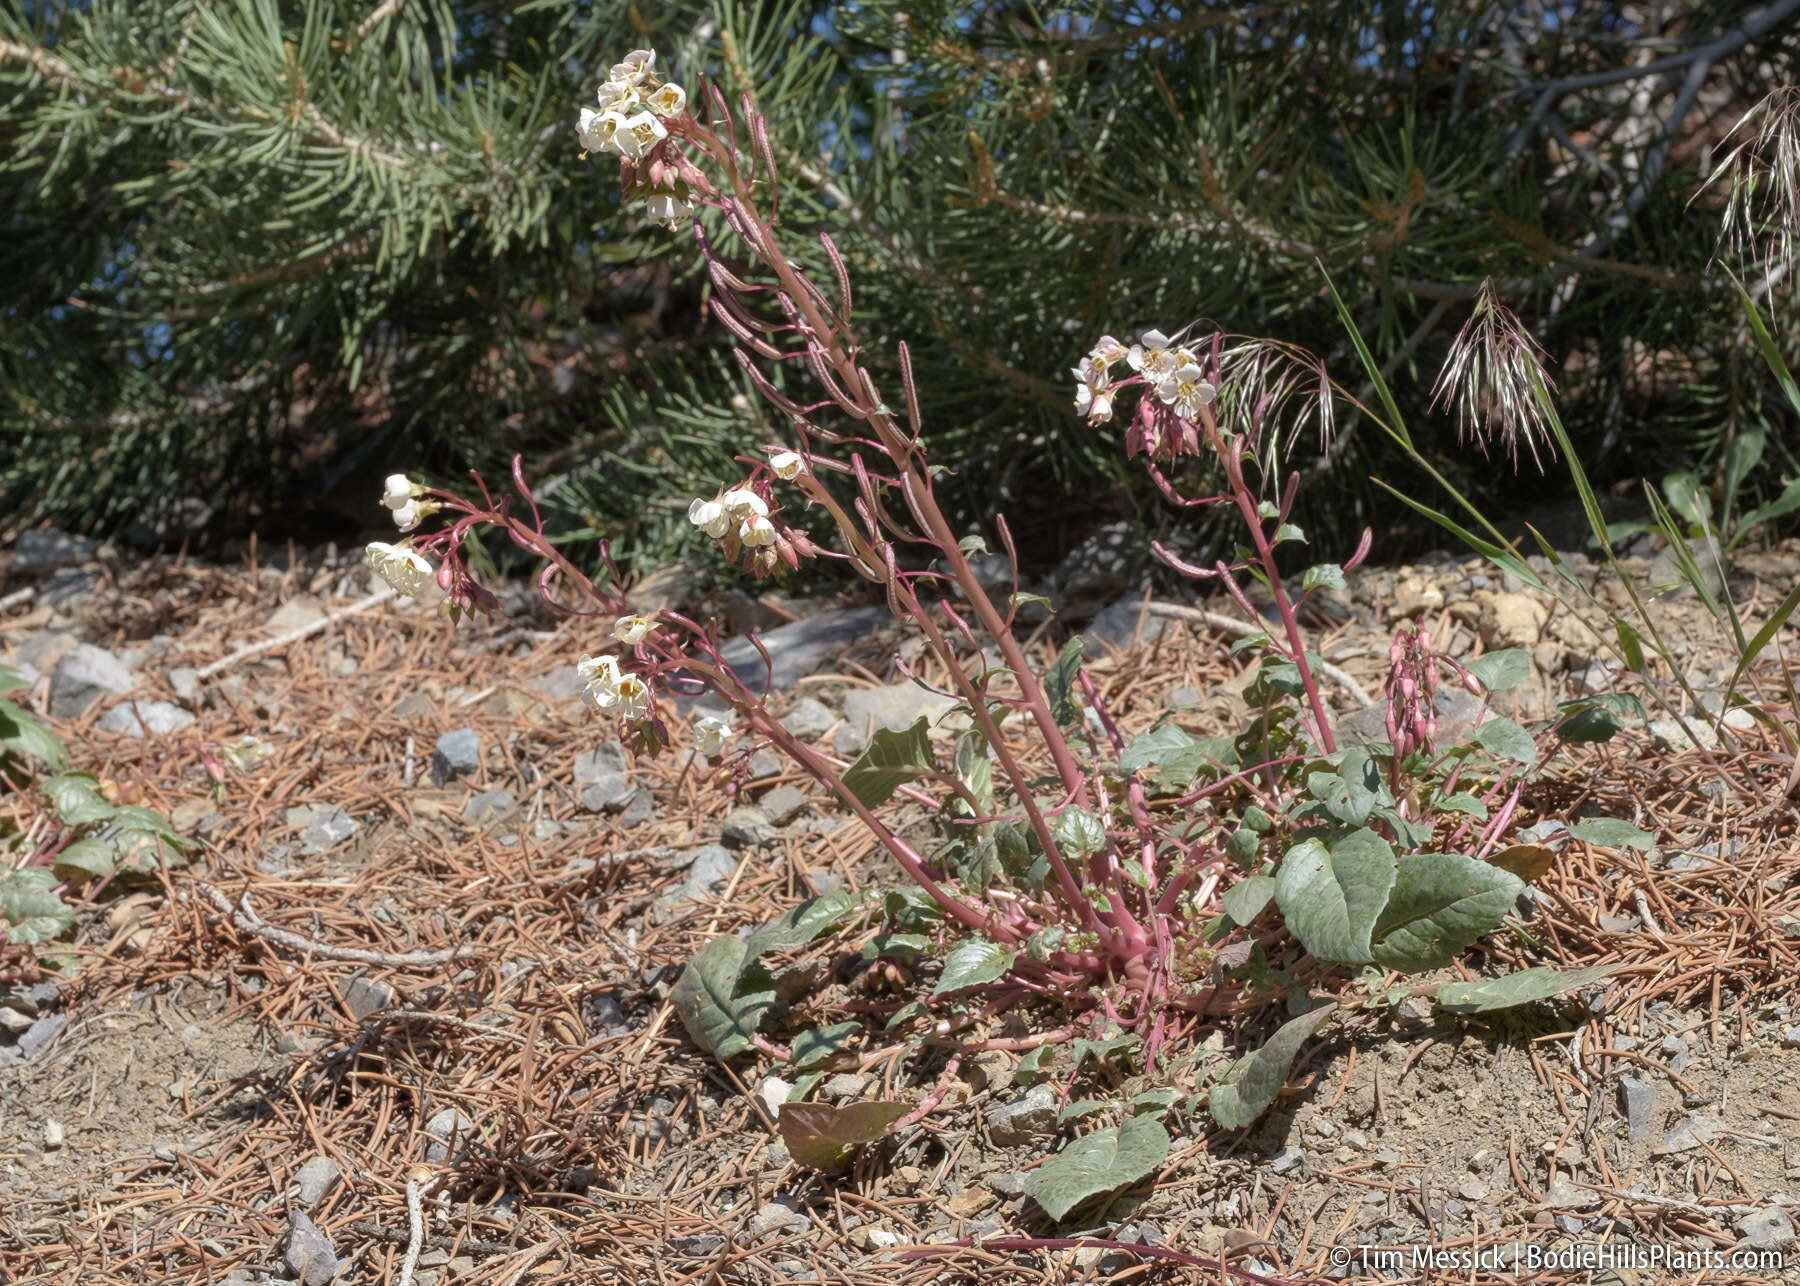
(1139, 889)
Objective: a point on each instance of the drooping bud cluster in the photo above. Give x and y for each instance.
(1165, 424)
(748, 529)
(1412, 685)
(610, 690)
(402, 497)
(405, 570)
(637, 110)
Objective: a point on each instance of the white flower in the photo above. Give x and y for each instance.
(710, 734)
(1187, 391)
(1151, 357)
(598, 131)
(631, 630)
(635, 67)
(636, 135)
(600, 672)
(400, 566)
(742, 504)
(669, 100)
(399, 491)
(710, 517)
(786, 465)
(409, 515)
(1109, 350)
(1093, 391)
(632, 697)
(667, 207)
(756, 531)
(618, 96)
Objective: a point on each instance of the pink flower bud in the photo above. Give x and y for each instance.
(446, 576)
(1472, 683)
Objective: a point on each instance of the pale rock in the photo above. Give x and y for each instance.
(1511, 620)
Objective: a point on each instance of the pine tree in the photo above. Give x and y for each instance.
(257, 250)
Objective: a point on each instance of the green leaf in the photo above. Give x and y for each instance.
(799, 925)
(1084, 1107)
(971, 963)
(1324, 575)
(1506, 740)
(1288, 531)
(1243, 845)
(904, 947)
(705, 996)
(1245, 900)
(816, 1044)
(1330, 896)
(34, 912)
(1352, 792)
(1034, 1065)
(1611, 832)
(1078, 833)
(1061, 682)
(891, 760)
(976, 771)
(906, 1013)
(1588, 725)
(911, 909)
(1499, 671)
(1463, 802)
(1101, 1050)
(972, 545)
(1097, 1163)
(1516, 988)
(86, 857)
(77, 799)
(10, 679)
(1687, 497)
(823, 1136)
(24, 735)
(1255, 1080)
(1442, 902)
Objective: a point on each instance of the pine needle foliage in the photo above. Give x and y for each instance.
(254, 251)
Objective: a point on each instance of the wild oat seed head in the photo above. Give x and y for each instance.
(1495, 378)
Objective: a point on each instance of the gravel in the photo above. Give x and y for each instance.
(457, 754)
(1029, 1116)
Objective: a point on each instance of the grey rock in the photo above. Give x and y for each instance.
(1120, 624)
(594, 766)
(1666, 574)
(1639, 1099)
(638, 810)
(13, 1021)
(1031, 1115)
(605, 1014)
(1098, 570)
(1681, 734)
(788, 801)
(896, 706)
(447, 1129)
(700, 1246)
(1010, 1185)
(326, 831)
(561, 684)
(83, 676)
(810, 719)
(309, 1255)
(33, 999)
(764, 763)
(45, 550)
(367, 996)
(1287, 1160)
(801, 648)
(713, 866)
(1689, 1135)
(314, 1179)
(185, 680)
(774, 1218)
(138, 718)
(457, 754)
(1770, 1228)
(845, 1085)
(747, 827)
(490, 806)
(66, 586)
(608, 793)
(40, 1034)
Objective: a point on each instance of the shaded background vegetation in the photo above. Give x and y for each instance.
(253, 255)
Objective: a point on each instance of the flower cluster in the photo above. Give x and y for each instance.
(610, 690)
(1412, 690)
(636, 110)
(1172, 372)
(743, 523)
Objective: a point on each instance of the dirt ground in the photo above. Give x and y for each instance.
(363, 988)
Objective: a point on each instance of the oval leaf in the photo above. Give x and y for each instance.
(800, 924)
(1610, 832)
(1097, 1163)
(1441, 903)
(86, 857)
(1257, 1078)
(1515, 988)
(1505, 739)
(823, 1136)
(719, 1020)
(892, 759)
(1498, 671)
(1527, 861)
(972, 962)
(1330, 897)
(1245, 900)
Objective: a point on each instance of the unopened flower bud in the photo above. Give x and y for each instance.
(1472, 683)
(399, 491)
